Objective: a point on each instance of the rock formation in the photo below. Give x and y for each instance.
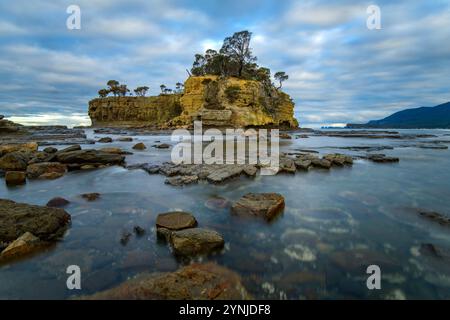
(219, 102)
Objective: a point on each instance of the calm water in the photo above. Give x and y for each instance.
(332, 221)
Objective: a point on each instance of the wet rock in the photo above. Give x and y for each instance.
(15, 178)
(51, 175)
(2, 173)
(194, 282)
(114, 150)
(321, 163)
(75, 147)
(338, 159)
(381, 158)
(23, 245)
(436, 217)
(300, 252)
(125, 139)
(89, 157)
(105, 140)
(181, 180)
(302, 164)
(21, 147)
(88, 167)
(217, 203)
(50, 150)
(37, 170)
(57, 202)
(224, 173)
(435, 251)
(91, 196)
(287, 165)
(18, 218)
(161, 146)
(176, 220)
(194, 241)
(266, 205)
(14, 161)
(139, 146)
(285, 136)
(250, 170)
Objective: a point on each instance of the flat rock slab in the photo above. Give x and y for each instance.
(194, 282)
(176, 220)
(195, 241)
(18, 218)
(265, 205)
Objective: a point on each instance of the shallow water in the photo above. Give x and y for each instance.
(333, 219)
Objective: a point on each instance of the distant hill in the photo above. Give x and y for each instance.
(417, 118)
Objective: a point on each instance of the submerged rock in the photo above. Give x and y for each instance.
(436, 217)
(266, 205)
(194, 241)
(381, 158)
(43, 222)
(194, 282)
(105, 140)
(91, 196)
(217, 203)
(139, 146)
(15, 178)
(57, 202)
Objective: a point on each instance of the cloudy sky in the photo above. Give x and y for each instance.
(340, 71)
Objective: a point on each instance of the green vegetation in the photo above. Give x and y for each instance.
(234, 59)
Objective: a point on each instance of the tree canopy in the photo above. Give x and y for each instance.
(234, 59)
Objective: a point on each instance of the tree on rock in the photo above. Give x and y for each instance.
(113, 87)
(103, 93)
(237, 47)
(281, 77)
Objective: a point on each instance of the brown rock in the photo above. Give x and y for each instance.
(14, 178)
(44, 222)
(27, 147)
(266, 205)
(91, 196)
(139, 146)
(176, 220)
(194, 241)
(14, 161)
(194, 282)
(23, 245)
(46, 170)
(105, 140)
(57, 202)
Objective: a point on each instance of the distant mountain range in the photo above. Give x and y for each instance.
(417, 118)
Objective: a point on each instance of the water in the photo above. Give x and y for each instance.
(332, 221)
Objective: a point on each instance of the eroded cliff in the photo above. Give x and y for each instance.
(229, 102)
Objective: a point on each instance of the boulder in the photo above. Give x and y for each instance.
(113, 150)
(26, 147)
(225, 172)
(57, 202)
(46, 170)
(50, 150)
(105, 140)
(14, 161)
(195, 241)
(321, 163)
(139, 146)
(176, 220)
(74, 147)
(89, 156)
(338, 159)
(381, 158)
(25, 244)
(302, 164)
(265, 205)
(43, 222)
(14, 178)
(287, 165)
(194, 282)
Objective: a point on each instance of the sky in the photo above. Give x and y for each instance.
(339, 70)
